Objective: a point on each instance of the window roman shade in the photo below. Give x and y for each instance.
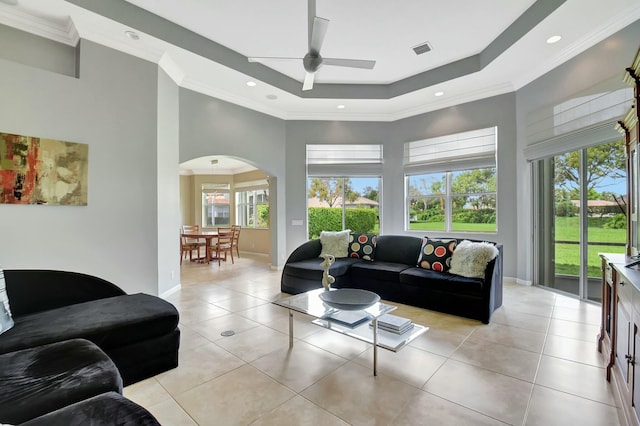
(577, 123)
(467, 150)
(341, 159)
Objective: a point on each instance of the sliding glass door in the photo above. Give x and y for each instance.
(579, 212)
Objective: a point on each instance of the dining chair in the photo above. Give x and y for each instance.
(236, 238)
(187, 246)
(223, 244)
(196, 241)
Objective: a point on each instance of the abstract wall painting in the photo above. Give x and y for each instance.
(43, 171)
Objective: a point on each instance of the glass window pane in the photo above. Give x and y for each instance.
(427, 184)
(476, 213)
(426, 214)
(337, 203)
(473, 181)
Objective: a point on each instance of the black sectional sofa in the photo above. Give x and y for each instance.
(394, 275)
(75, 337)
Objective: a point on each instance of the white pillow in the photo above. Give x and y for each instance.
(6, 322)
(335, 243)
(470, 259)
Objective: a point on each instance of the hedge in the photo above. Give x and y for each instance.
(330, 219)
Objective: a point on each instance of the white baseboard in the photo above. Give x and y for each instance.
(169, 292)
(524, 282)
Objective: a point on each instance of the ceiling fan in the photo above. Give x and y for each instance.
(312, 61)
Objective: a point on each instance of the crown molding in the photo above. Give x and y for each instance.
(61, 32)
(201, 87)
(606, 29)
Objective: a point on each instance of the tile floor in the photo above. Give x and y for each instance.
(535, 364)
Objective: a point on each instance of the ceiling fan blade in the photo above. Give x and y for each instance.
(308, 81)
(311, 16)
(353, 63)
(318, 32)
(271, 58)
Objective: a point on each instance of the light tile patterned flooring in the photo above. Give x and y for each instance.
(535, 364)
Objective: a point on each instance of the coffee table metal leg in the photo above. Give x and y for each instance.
(290, 328)
(375, 346)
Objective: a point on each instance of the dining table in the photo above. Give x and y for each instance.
(205, 235)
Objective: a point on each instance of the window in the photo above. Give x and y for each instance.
(451, 182)
(343, 188)
(252, 208)
(215, 205)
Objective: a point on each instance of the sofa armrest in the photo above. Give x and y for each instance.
(307, 250)
(493, 277)
(35, 290)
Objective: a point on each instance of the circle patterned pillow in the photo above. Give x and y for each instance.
(436, 254)
(362, 246)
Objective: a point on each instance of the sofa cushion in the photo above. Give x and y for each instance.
(107, 409)
(6, 322)
(471, 259)
(436, 254)
(377, 270)
(335, 243)
(110, 322)
(362, 246)
(312, 269)
(38, 380)
(442, 281)
(398, 249)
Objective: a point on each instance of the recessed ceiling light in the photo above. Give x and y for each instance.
(554, 39)
(340, 106)
(438, 94)
(251, 83)
(132, 35)
(271, 97)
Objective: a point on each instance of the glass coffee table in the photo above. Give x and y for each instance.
(359, 324)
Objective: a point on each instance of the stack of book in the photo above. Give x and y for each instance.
(394, 324)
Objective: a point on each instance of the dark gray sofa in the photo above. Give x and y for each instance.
(138, 332)
(394, 276)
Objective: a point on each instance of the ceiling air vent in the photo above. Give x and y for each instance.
(422, 48)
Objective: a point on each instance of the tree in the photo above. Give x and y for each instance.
(477, 181)
(370, 193)
(604, 161)
(330, 189)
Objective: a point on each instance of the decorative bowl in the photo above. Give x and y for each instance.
(349, 299)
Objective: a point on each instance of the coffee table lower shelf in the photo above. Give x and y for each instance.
(386, 339)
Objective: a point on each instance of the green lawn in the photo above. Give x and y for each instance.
(568, 255)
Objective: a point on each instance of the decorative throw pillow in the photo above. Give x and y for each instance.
(6, 322)
(436, 254)
(471, 259)
(335, 243)
(362, 246)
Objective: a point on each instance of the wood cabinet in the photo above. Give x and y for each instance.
(619, 338)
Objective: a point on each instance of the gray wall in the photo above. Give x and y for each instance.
(496, 111)
(596, 70)
(168, 183)
(300, 133)
(112, 106)
(211, 126)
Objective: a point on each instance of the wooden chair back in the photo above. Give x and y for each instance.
(223, 244)
(236, 237)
